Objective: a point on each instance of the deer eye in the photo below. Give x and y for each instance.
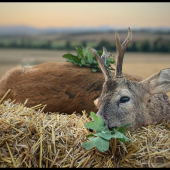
(124, 99)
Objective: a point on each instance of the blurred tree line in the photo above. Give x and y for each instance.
(157, 45)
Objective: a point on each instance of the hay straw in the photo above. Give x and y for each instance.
(31, 138)
(10, 153)
(66, 156)
(5, 95)
(52, 163)
(40, 159)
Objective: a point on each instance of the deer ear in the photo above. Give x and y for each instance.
(160, 82)
(96, 101)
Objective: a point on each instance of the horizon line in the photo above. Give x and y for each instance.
(118, 27)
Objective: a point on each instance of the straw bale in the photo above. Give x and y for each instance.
(31, 138)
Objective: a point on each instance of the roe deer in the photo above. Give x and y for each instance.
(65, 87)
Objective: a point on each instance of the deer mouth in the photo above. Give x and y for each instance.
(112, 127)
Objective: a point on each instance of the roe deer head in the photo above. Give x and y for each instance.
(126, 101)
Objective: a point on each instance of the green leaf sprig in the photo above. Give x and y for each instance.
(100, 139)
(86, 58)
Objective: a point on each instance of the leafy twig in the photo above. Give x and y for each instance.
(85, 58)
(101, 137)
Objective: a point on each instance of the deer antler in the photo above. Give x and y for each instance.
(102, 60)
(120, 52)
(105, 55)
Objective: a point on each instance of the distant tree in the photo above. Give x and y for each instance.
(106, 44)
(132, 47)
(161, 45)
(164, 47)
(156, 44)
(68, 45)
(47, 45)
(84, 44)
(13, 44)
(144, 46)
(1, 45)
(168, 44)
(22, 43)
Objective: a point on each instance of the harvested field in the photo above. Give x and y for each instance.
(31, 138)
(141, 64)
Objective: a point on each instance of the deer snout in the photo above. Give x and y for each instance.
(106, 123)
(111, 127)
(106, 120)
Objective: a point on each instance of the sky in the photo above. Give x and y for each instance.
(74, 14)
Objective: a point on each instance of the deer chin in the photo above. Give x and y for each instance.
(112, 125)
(148, 121)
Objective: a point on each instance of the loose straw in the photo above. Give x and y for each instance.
(5, 95)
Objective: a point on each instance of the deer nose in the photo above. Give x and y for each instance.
(113, 127)
(91, 130)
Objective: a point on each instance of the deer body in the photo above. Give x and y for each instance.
(119, 98)
(64, 87)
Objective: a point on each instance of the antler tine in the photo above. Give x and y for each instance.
(101, 63)
(127, 41)
(120, 52)
(119, 57)
(105, 55)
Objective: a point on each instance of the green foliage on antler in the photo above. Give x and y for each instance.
(86, 58)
